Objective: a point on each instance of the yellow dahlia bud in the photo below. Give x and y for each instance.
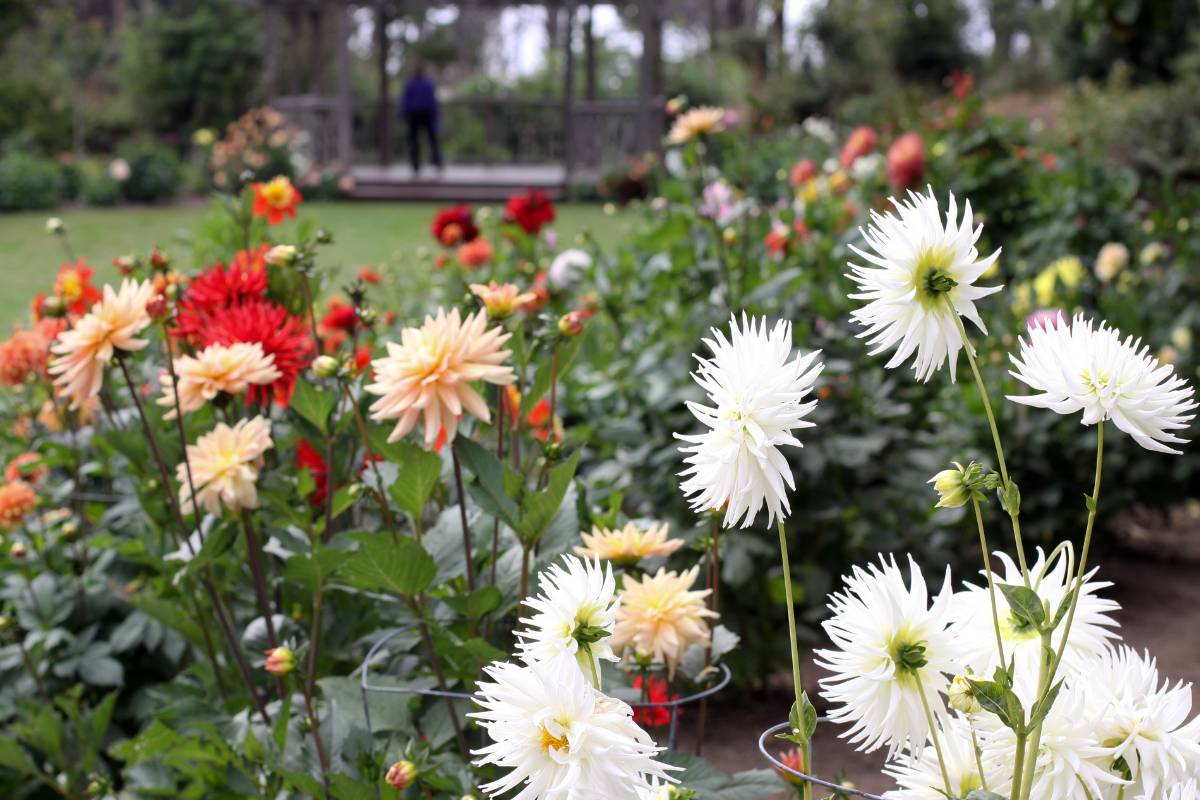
(401, 775)
(280, 661)
(281, 255)
(55, 225)
(326, 366)
(962, 696)
(729, 235)
(1112, 259)
(958, 485)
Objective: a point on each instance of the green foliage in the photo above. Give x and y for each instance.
(29, 181)
(155, 172)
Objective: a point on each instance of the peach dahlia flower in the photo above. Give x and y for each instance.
(628, 545)
(17, 499)
(225, 464)
(695, 123)
(501, 299)
(428, 374)
(81, 352)
(215, 369)
(661, 616)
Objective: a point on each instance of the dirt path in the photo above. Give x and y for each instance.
(1160, 611)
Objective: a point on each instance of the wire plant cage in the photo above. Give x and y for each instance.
(784, 769)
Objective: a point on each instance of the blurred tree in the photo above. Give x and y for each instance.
(1148, 35)
(193, 63)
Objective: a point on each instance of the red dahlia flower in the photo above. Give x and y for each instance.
(654, 716)
(308, 457)
(906, 161)
(281, 335)
(532, 211)
(454, 226)
(860, 142)
(340, 316)
(219, 287)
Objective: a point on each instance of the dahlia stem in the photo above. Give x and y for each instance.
(312, 312)
(462, 510)
(322, 756)
(987, 568)
(978, 757)
(1035, 736)
(418, 609)
(791, 616)
(937, 741)
(314, 638)
(991, 418)
(1018, 767)
(379, 493)
(257, 571)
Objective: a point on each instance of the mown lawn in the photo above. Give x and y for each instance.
(364, 233)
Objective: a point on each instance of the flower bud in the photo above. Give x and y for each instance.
(1113, 258)
(959, 485)
(401, 775)
(157, 307)
(159, 260)
(125, 264)
(5, 622)
(54, 225)
(54, 307)
(367, 316)
(729, 235)
(962, 696)
(18, 550)
(326, 366)
(281, 255)
(324, 237)
(280, 661)
(70, 530)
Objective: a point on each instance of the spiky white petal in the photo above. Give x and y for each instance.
(1080, 368)
(575, 593)
(559, 738)
(920, 777)
(901, 312)
(874, 619)
(756, 397)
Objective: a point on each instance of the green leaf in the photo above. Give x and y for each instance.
(477, 603)
(418, 475)
(313, 403)
(218, 540)
(491, 487)
(102, 671)
(1063, 608)
(343, 498)
(803, 722)
(1025, 604)
(14, 757)
(539, 508)
(315, 570)
(541, 381)
(170, 614)
(1090, 502)
(980, 794)
(1010, 498)
(402, 567)
(1042, 707)
(1001, 701)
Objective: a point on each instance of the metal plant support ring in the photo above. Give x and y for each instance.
(673, 707)
(769, 733)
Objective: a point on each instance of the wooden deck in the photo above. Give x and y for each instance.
(465, 182)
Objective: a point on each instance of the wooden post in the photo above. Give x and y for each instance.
(569, 97)
(649, 113)
(345, 106)
(384, 104)
(589, 55)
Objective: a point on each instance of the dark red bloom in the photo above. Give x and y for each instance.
(655, 716)
(362, 357)
(339, 316)
(531, 211)
(454, 226)
(281, 335)
(219, 287)
(308, 457)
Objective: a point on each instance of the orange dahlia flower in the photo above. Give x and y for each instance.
(276, 199)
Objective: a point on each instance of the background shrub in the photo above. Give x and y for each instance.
(29, 182)
(155, 172)
(96, 186)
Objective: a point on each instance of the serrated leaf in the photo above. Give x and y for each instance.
(477, 603)
(1025, 604)
(402, 567)
(314, 404)
(491, 487)
(312, 570)
(418, 474)
(539, 508)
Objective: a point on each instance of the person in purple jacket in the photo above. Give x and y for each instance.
(419, 108)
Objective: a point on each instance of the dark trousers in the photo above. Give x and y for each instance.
(417, 122)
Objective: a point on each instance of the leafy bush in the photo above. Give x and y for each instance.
(29, 182)
(98, 187)
(154, 172)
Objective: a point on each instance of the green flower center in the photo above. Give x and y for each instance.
(908, 656)
(932, 277)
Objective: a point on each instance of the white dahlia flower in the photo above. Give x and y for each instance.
(891, 645)
(573, 616)
(975, 635)
(1080, 368)
(756, 397)
(559, 738)
(1143, 721)
(920, 777)
(919, 275)
(1180, 791)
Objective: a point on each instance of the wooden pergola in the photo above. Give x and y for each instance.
(308, 77)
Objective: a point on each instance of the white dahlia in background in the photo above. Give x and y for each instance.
(920, 777)
(428, 375)
(661, 616)
(918, 269)
(756, 397)
(1180, 791)
(573, 616)
(975, 635)
(559, 738)
(1080, 368)
(891, 646)
(1143, 721)
(82, 351)
(1072, 763)
(224, 466)
(215, 369)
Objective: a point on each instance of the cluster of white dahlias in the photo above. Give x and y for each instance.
(551, 727)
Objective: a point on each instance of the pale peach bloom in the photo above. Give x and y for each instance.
(217, 368)
(428, 374)
(628, 545)
(225, 464)
(661, 616)
(501, 299)
(697, 122)
(112, 325)
(17, 499)
(51, 418)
